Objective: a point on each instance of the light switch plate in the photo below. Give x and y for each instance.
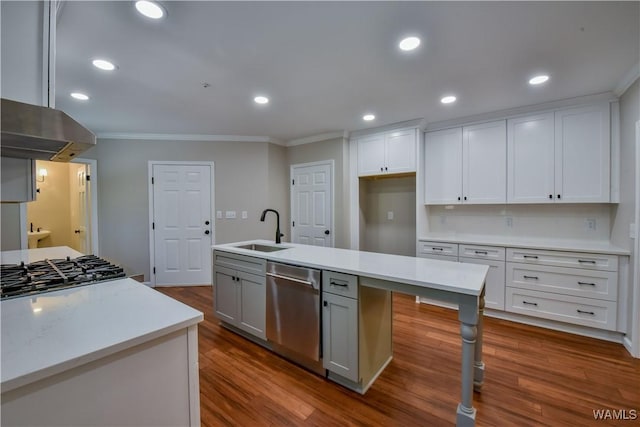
(590, 224)
(245, 215)
(390, 215)
(230, 214)
(218, 214)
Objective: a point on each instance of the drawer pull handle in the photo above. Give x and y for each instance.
(530, 256)
(586, 261)
(586, 312)
(437, 249)
(530, 303)
(586, 283)
(481, 252)
(344, 285)
(531, 277)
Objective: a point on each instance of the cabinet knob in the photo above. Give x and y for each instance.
(381, 169)
(458, 198)
(206, 232)
(325, 303)
(385, 168)
(206, 223)
(558, 196)
(551, 196)
(465, 197)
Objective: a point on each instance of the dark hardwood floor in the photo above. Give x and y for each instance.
(534, 377)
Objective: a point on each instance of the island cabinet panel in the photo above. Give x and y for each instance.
(239, 291)
(357, 330)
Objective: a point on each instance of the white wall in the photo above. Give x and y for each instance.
(242, 182)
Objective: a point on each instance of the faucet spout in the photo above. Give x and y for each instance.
(278, 234)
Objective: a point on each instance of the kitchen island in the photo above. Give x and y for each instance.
(457, 283)
(108, 353)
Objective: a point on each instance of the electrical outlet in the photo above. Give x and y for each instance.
(390, 215)
(508, 220)
(590, 224)
(245, 215)
(443, 219)
(230, 214)
(218, 214)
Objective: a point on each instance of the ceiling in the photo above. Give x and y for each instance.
(325, 64)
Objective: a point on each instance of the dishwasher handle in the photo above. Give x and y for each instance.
(291, 279)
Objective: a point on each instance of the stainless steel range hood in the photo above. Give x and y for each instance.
(34, 132)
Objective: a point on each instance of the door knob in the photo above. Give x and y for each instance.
(76, 231)
(326, 232)
(206, 232)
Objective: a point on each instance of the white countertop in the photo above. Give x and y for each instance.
(448, 276)
(33, 255)
(50, 333)
(597, 246)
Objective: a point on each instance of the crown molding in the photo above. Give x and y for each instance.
(413, 123)
(318, 138)
(627, 80)
(187, 137)
(517, 111)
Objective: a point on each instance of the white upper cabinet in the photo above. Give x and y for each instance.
(387, 153)
(530, 165)
(466, 165)
(582, 147)
(560, 157)
(443, 167)
(484, 163)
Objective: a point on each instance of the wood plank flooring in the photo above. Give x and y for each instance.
(534, 377)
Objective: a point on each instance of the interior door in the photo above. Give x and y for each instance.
(182, 224)
(80, 209)
(312, 204)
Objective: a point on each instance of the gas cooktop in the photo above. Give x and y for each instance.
(22, 279)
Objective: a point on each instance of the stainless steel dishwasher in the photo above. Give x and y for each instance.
(293, 314)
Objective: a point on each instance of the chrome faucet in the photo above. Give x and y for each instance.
(278, 234)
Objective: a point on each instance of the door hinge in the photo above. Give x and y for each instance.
(88, 177)
(154, 270)
(152, 181)
(153, 225)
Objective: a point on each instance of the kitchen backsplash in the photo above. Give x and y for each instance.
(570, 221)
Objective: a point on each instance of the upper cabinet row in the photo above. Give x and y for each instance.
(387, 153)
(553, 157)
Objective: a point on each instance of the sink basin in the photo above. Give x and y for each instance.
(34, 237)
(261, 248)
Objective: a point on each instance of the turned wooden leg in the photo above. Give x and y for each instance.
(468, 315)
(478, 364)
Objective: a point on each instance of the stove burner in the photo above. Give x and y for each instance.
(53, 274)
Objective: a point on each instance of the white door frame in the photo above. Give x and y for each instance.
(331, 164)
(633, 344)
(93, 178)
(152, 254)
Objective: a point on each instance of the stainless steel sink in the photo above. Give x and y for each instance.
(261, 248)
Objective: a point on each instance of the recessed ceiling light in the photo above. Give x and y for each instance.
(261, 100)
(368, 117)
(538, 79)
(103, 64)
(150, 9)
(448, 99)
(409, 43)
(80, 96)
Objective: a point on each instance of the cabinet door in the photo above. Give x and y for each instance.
(582, 154)
(443, 167)
(18, 179)
(371, 155)
(253, 301)
(225, 295)
(340, 335)
(495, 285)
(400, 151)
(484, 163)
(530, 159)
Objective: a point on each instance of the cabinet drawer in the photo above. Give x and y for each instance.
(437, 248)
(568, 281)
(239, 262)
(564, 308)
(481, 252)
(340, 284)
(564, 259)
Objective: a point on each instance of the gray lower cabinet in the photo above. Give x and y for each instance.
(356, 330)
(239, 291)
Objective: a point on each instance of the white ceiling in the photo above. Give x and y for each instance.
(325, 64)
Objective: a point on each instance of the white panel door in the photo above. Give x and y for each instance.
(484, 163)
(400, 151)
(530, 165)
(582, 154)
(443, 167)
(80, 207)
(182, 224)
(371, 155)
(312, 204)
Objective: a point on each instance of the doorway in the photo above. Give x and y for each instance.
(181, 225)
(312, 213)
(65, 207)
